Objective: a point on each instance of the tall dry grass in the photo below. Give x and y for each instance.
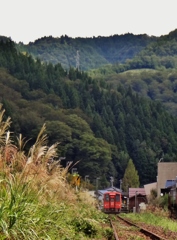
(33, 167)
(27, 178)
(36, 202)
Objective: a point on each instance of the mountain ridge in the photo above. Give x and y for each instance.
(93, 52)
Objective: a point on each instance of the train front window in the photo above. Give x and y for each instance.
(117, 198)
(107, 197)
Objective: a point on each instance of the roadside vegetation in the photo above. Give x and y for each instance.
(158, 218)
(36, 201)
(156, 214)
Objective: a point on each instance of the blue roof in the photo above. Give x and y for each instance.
(170, 183)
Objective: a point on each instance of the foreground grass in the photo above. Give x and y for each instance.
(27, 214)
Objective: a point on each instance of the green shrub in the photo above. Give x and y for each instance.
(87, 226)
(108, 233)
(163, 201)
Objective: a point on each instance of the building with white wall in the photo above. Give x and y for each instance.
(165, 171)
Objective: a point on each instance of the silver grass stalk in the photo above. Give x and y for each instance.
(4, 126)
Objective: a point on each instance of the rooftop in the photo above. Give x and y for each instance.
(136, 191)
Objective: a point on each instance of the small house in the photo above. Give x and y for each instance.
(137, 196)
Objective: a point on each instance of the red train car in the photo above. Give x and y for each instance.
(112, 202)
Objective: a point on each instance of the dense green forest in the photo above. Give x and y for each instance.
(98, 124)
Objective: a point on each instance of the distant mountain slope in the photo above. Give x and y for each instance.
(151, 73)
(87, 53)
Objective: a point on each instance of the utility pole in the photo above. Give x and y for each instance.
(86, 180)
(112, 180)
(77, 60)
(136, 201)
(97, 186)
(121, 184)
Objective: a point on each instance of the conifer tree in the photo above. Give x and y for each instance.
(131, 177)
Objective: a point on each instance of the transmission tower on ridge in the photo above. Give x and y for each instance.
(77, 60)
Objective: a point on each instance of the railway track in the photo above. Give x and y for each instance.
(131, 229)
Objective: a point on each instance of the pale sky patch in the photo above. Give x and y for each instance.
(26, 21)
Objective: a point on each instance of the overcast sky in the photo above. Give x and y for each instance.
(28, 20)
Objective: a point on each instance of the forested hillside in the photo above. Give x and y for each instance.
(147, 64)
(96, 124)
(87, 53)
(151, 73)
